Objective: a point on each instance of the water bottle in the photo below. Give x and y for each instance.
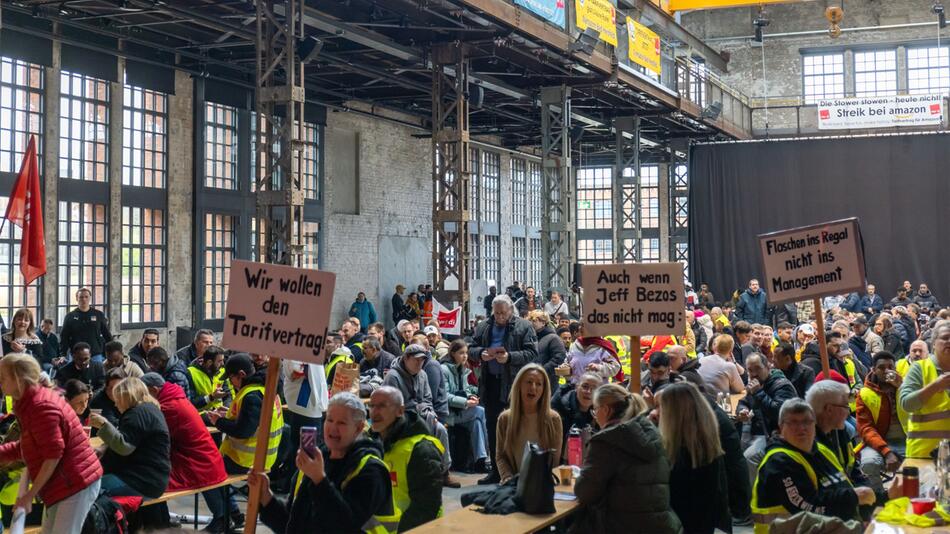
(575, 454)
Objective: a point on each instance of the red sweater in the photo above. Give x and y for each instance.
(196, 462)
(50, 430)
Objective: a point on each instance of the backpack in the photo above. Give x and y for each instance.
(105, 517)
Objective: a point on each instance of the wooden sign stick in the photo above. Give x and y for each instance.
(636, 353)
(263, 433)
(822, 345)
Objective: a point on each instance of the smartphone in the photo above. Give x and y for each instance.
(308, 440)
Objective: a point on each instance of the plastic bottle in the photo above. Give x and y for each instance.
(575, 454)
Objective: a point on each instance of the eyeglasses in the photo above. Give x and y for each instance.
(593, 411)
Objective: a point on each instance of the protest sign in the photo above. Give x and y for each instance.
(880, 112)
(813, 261)
(633, 299)
(278, 310)
(643, 46)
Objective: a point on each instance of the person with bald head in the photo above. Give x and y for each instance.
(413, 456)
(766, 391)
(918, 351)
(682, 365)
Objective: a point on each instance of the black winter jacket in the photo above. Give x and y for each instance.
(90, 326)
(625, 481)
(700, 495)
(551, 352)
(331, 506)
(801, 377)
(176, 372)
(521, 343)
(767, 401)
(565, 403)
(250, 415)
(148, 467)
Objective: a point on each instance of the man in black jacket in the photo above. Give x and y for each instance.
(417, 480)
(801, 376)
(530, 301)
(204, 338)
(170, 367)
(82, 368)
(150, 340)
(85, 324)
(766, 392)
(502, 345)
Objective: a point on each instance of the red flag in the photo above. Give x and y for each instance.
(25, 210)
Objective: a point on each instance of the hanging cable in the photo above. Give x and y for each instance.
(765, 89)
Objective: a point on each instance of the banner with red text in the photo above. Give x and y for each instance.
(450, 321)
(880, 112)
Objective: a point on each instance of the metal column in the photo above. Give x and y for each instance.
(450, 172)
(280, 102)
(626, 190)
(557, 227)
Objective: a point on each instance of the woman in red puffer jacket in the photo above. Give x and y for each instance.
(62, 466)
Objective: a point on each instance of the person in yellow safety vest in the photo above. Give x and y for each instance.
(338, 356)
(239, 423)
(799, 474)
(828, 399)
(620, 342)
(918, 351)
(343, 487)
(353, 338)
(923, 395)
(414, 458)
(206, 374)
(881, 422)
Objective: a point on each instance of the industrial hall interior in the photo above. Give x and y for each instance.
(457, 266)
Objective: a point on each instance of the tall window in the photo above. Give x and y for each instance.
(83, 128)
(823, 77)
(491, 176)
(650, 196)
(534, 264)
(143, 266)
(474, 204)
(221, 146)
(519, 259)
(308, 161)
(83, 254)
(21, 111)
(875, 73)
(144, 137)
(519, 196)
(650, 250)
(13, 293)
(928, 70)
(492, 258)
(592, 251)
(475, 252)
(594, 208)
(219, 246)
(537, 193)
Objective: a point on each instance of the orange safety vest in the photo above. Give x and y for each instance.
(427, 310)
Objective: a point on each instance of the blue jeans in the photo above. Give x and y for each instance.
(113, 486)
(473, 419)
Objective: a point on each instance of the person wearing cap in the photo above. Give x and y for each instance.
(195, 462)
(804, 336)
(408, 377)
(438, 346)
(801, 376)
(862, 329)
(239, 423)
(799, 474)
(923, 395)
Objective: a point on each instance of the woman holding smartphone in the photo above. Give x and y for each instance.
(342, 486)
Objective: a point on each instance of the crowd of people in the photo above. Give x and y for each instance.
(374, 454)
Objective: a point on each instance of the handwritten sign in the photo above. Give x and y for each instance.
(278, 310)
(813, 261)
(633, 299)
(643, 46)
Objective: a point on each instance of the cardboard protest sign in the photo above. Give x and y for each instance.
(633, 299)
(278, 310)
(813, 261)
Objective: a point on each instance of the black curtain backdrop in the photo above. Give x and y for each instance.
(897, 186)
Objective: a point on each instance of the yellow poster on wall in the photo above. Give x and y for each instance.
(598, 15)
(643, 46)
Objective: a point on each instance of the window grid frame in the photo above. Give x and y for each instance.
(595, 190)
(875, 73)
(920, 68)
(519, 192)
(594, 251)
(221, 147)
(135, 128)
(75, 158)
(649, 196)
(21, 118)
(219, 235)
(491, 186)
(822, 77)
(83, 232)
(519, 259)
(14, 294)
(144, 230)
(535, 183)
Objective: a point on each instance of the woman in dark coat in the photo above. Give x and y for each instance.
(624, 483)
(551, 351)
(574, 403)
(699, 490)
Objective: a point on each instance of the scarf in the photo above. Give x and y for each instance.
(600, 342)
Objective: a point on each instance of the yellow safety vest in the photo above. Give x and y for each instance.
(872, 400)
(763, 517)
(241, 451)
(903, 365)
(929, 425)
(328, 368)
(8, 403)
(205, 385)
(397, 459)
(849, 370)
(378, 523)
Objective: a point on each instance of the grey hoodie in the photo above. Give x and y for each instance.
(415, 389)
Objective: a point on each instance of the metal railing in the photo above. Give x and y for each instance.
(697, 84)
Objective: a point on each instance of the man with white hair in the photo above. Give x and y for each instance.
(829, 400)
(502, 344)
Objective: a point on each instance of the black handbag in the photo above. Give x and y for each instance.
(535, 492)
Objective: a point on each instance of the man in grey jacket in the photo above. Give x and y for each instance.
(408, 377)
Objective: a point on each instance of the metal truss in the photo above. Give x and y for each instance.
(280, 104)
(451, 171)
(626, 190)
(557, 227)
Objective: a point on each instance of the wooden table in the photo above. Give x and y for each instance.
(469, 520)
(928, 479)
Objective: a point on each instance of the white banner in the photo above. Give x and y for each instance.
(880, 112)
(450, 321)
